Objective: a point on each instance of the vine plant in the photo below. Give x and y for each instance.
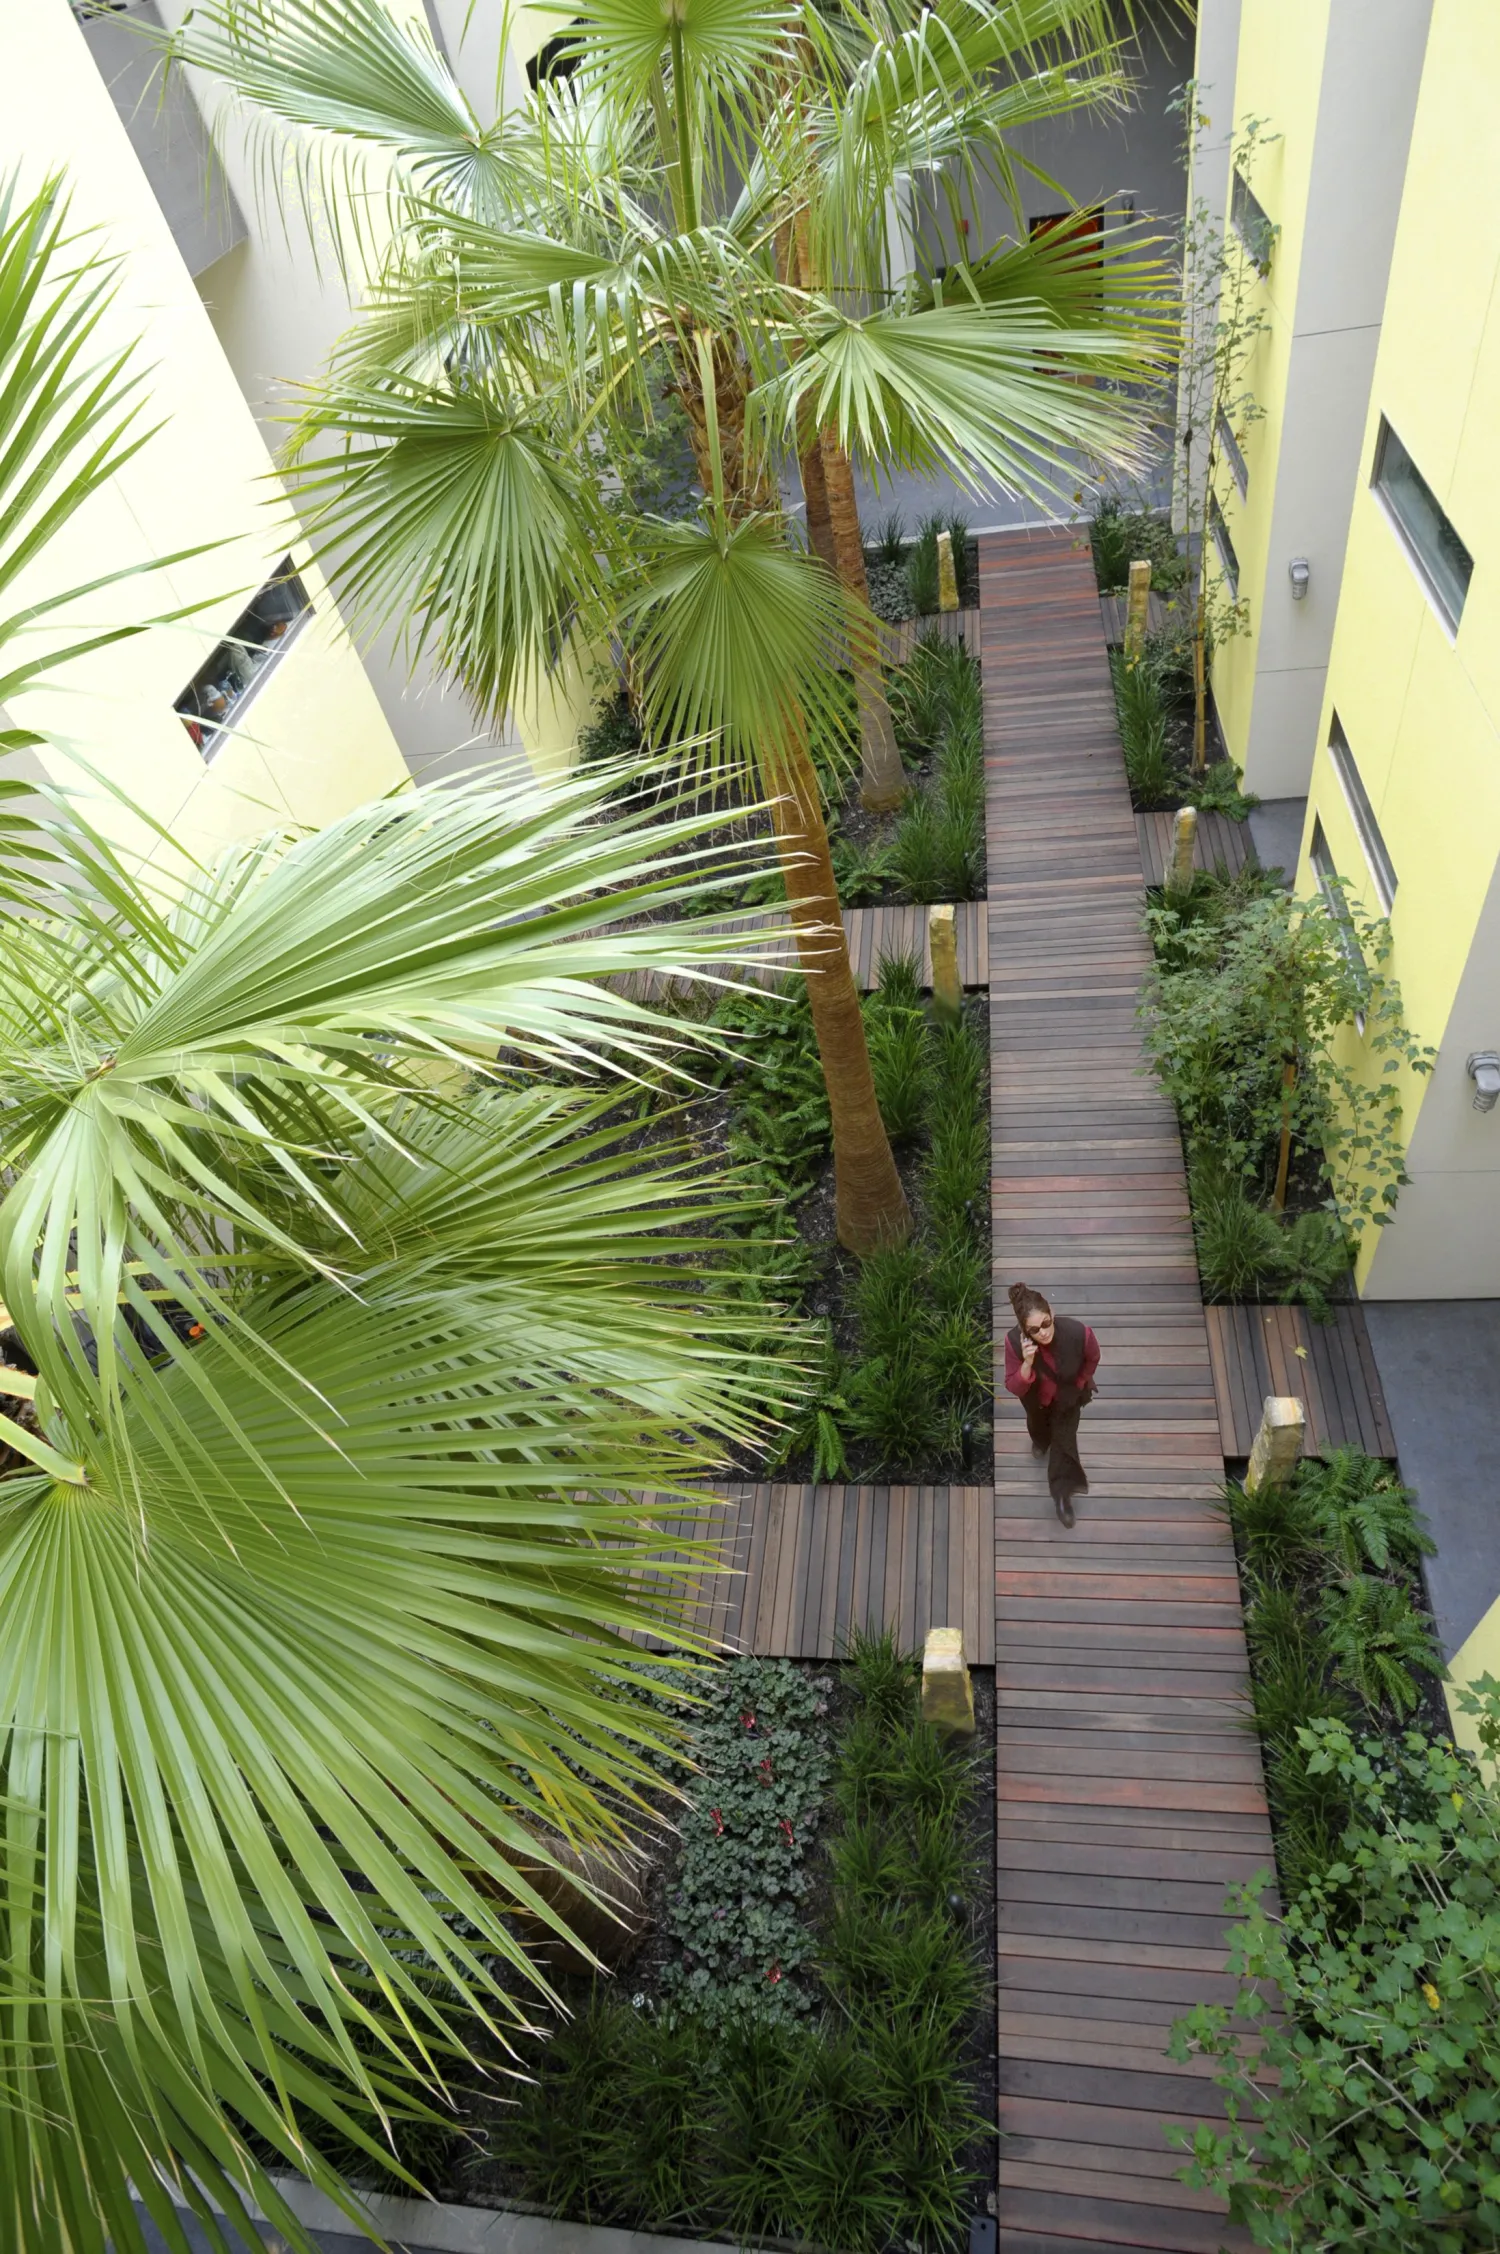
(1225, 260)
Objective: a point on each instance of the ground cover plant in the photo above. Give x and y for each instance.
(1364, 2111)
(845, 2126)
(1277, 1030)
(903, 1384)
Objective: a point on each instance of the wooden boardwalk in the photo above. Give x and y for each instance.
(1219, 844)
(1130, 1789)
(810, 1564)
(1329, 1366)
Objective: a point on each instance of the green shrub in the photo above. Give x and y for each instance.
(1328, 1638)
(1359, 1513)
(1315, 1256)
(1119, 536)
(1217, 791)
(897, 1041)
(1366, 2112)
(861, 872)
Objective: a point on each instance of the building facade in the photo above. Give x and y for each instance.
(254, 708)
(1373, 692)
(1371, 704)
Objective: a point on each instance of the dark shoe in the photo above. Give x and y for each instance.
(1065, 1510)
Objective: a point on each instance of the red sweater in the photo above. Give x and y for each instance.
(1043, 1374)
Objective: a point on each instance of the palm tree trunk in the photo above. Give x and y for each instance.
(815, 494)
(870, 1204)
(882, 778)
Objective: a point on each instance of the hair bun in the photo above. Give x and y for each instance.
(1027, 1302)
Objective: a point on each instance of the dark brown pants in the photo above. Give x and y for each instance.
(1055, 1428)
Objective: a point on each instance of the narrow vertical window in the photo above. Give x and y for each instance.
(1250, 223)
(1363, 813)
(1433, 547)
(1228, 560)
(1229, 447)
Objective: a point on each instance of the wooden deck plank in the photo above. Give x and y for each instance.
(1255, 1351)
(1129, 1793)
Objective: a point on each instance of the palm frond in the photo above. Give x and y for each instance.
(184, 1085)
(455, 507)
(353, 80)
(974, 390)
(737, 636)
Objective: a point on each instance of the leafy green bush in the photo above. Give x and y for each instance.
(937, 852)
(1327, 1563)
(922, 567)
(1245, 1015)
(1119, 536)
(1367, 2113)
(1149, 767)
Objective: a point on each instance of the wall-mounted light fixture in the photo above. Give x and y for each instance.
(1484, 1070)
(1299, 572)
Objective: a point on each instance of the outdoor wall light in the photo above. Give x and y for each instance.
(1299, 572)
(1484, 1071)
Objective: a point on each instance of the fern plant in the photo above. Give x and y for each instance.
(1362, 1514)
(1376, 1639)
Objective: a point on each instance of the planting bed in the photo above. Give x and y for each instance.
(902, 1338)
(800, 2044)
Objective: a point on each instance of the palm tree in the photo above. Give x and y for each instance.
(617, 235)
(338, 1340)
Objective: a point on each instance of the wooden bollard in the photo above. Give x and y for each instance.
(942, 946)
(1137, 609)
(948, 574)
(1278, 1443)
(1184, 838)
(947, 1689)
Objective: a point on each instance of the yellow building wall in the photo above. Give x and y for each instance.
(1278, 81)
(315, 740)
(1420, 707)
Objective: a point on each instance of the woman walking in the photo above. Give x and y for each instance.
(1050, 1362)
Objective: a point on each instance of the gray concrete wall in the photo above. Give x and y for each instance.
(1367, 101)
(1445, 1240)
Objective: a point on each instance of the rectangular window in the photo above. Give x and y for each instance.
(1440, 559)
(1368, 828)
(1338, 908)
(1229, 447)
(1250, 223)
(1227, 557)
(219, 689)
